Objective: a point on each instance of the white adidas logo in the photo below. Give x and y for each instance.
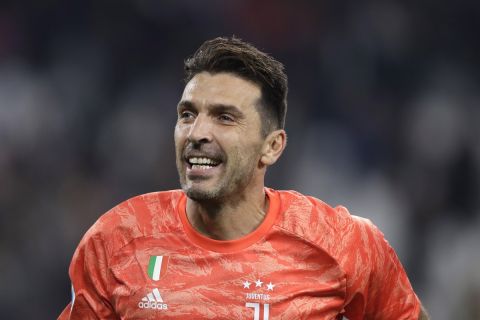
(153, 300)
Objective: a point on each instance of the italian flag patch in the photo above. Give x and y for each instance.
(157, 267)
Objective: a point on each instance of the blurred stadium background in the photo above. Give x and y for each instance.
(383, 118)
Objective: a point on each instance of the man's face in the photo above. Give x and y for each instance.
(218, 137)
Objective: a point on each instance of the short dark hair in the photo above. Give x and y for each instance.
(244, 60)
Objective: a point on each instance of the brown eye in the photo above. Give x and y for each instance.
(226, 118)
(186, 115)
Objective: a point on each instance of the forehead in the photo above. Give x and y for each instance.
(221, 88)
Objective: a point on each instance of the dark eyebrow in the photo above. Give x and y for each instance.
(213, 108)
(226, 108)
(184, 104)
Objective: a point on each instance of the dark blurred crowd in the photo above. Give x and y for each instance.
(383, 118)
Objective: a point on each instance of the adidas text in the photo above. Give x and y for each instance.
(152, 305)
(153, 300)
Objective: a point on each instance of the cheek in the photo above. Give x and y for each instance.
(178, 135)
(247, 154)
(179, 143)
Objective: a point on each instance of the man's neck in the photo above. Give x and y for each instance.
(228, 219)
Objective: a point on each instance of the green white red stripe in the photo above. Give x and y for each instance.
(157, 267)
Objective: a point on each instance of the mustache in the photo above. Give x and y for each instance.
(203, 150)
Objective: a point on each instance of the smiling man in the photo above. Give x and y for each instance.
(225, 246)
(222, 154)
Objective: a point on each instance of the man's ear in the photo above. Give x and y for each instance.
(273, 147)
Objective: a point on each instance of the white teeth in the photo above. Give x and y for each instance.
(202, 167)
(197, 160)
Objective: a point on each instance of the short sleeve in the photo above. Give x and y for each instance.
(389, 294)
(89, 275)
(377, 284)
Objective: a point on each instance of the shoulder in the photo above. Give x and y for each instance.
(140, 216)
(306, 214)
(333, 228)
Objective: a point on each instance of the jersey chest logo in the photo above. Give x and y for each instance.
(157, 267)
(257, 296)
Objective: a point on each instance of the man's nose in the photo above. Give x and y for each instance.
(201, 130)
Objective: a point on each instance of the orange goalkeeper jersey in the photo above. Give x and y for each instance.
(143, 260)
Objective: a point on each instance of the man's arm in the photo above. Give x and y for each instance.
(423, 314)
(390, 294)
(88, 271)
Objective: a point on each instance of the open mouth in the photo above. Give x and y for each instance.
(202, 163)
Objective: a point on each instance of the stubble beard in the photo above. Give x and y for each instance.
(201, 195)
(230, 185)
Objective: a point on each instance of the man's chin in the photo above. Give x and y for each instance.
(200, 194)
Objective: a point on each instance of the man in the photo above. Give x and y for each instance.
(225, 246)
